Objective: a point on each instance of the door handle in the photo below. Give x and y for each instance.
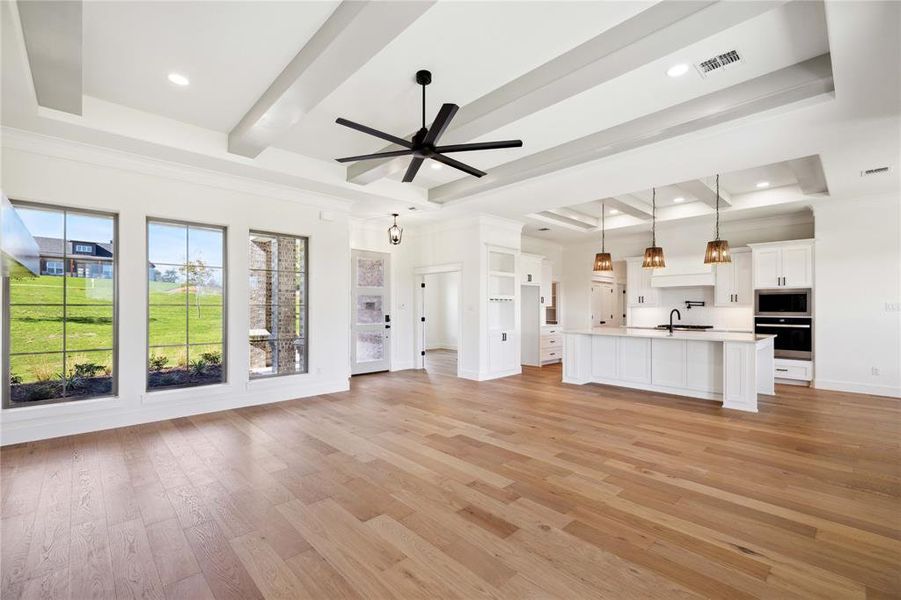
(503, 337)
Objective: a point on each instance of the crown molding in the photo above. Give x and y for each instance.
(35, 143)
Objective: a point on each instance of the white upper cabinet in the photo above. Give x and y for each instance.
(638, 284)
(767, 267)
(733, 280)
(783, 264)
(530, 269)
(797, 266)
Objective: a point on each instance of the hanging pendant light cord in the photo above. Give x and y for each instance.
(423, 106)
(654, 217)
(717, 206)
(603, 228)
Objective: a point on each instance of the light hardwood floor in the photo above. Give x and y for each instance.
(422, 486)
(441, 362)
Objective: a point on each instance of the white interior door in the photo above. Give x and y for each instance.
(370, 345)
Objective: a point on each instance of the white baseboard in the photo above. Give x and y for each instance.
(45, 427)
(857, 388)
(487, 376)
(403, 365)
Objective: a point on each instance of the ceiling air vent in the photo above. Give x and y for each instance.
(718, 62)
(876, 171)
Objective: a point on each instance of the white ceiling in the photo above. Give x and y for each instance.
(230, 51)
(233, 51)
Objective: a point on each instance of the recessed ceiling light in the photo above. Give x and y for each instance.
(178, 79)
(678, 199)
(763, 184)
(677, 70)
(436, 165)
(613, 211)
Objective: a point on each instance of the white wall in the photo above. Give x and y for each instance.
(68, 174)
(857, 294)
(676, 239)
(442, 305)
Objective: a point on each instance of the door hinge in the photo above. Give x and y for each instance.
(422, 319)
(422, 353)
(422, 284)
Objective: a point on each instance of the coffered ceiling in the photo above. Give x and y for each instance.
(584, 84)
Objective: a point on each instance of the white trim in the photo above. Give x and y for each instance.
(34, 143)
(857, 388)
(51, 427)
(488, 376)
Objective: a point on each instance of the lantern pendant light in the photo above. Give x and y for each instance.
(717, 250)
(653, 255)
(395, 232)
(602, 261)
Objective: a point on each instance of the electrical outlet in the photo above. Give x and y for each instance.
(874, 371)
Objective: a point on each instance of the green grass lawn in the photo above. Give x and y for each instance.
(88, 326)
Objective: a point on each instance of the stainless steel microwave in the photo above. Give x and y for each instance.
(783, 303)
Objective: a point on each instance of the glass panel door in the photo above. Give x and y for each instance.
(370, 346)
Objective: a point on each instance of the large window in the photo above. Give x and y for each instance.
(60, 326)
(185, 308)
(278, 304)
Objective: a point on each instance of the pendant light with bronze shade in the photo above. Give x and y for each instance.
(653, 255)
(602, 261)
(717, 250)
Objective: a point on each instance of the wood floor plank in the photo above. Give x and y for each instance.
(223, 571)
(135, 571)
(419, 485)
(172, 554)
(91, 574)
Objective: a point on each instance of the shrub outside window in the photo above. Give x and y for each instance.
(60, 326)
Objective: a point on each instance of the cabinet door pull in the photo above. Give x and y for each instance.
(782, 370)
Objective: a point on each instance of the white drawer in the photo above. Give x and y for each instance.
(551, 330)
(551, 354)
(793, 369)
(551, 341)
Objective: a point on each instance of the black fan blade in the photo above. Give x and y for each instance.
(390, 154)
(412, 169)
(379, 134)
(457, 165)
(440, 123)
(480, 146)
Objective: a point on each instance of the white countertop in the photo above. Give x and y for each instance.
(701, 336)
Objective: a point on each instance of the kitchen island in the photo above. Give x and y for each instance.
(729, 367)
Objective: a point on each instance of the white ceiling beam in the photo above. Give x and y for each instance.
(349, 38)
(810, 175)
(549, 216)
(629, 205)
(808, 79)
(53, 31)
(576, 215)
(651, 35)
(705, 192)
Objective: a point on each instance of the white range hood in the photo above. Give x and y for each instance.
(683, 271)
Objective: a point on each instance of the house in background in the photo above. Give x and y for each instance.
(80, 259)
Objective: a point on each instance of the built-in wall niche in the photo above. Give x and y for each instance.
(501, 286)
(501, 262)
(501, 314)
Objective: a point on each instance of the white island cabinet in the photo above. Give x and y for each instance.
(728, 367)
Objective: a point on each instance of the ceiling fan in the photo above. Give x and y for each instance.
(423, 145)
